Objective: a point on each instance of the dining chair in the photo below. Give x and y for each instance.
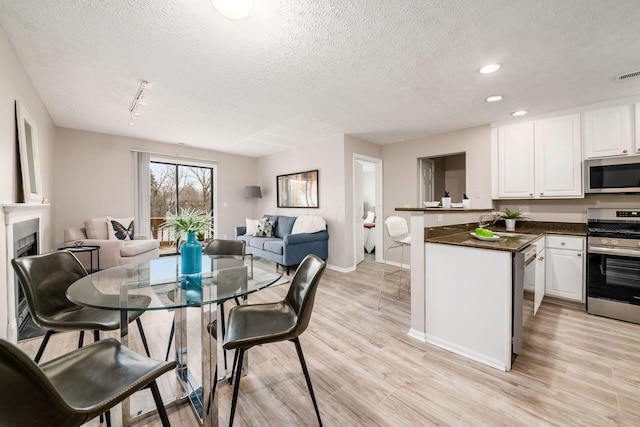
(216, 247)
(44, 279)
(76, 387)
(398, 231)
(256, 324)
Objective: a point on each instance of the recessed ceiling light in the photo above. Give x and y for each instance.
(489, 68)
(493, 98)
(519, 113)
(233, 9)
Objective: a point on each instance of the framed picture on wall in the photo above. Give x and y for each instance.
(29, 155)
(298, 190)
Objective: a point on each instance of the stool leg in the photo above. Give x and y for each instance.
(173, 330)
(384, 266)
(144, 339)
(401, 262)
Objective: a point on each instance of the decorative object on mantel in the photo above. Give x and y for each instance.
(187, 223)
(29, 156)
(510, 218)
(446, 200)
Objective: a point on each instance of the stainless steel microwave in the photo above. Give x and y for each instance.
(612, 175)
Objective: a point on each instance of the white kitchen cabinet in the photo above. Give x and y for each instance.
(607, 132)
(515, 161)
(539, 282)
(558, 157)
(564, 265)
(540, 159)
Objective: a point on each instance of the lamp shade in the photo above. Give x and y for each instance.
(252, 191)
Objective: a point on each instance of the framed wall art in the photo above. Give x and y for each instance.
(29, 155)
(298, 190)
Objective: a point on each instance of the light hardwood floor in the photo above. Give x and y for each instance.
(576, 369)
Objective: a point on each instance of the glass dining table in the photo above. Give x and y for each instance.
(158, 285)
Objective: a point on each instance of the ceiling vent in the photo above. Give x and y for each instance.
(628, 75)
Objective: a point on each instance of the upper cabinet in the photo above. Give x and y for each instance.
(513, 147)
(539, 159)
(607, 132)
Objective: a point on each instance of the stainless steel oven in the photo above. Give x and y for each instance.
(613, 263)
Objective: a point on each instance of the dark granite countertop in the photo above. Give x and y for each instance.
(528, 231)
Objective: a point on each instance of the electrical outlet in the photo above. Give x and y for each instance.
(440, 218)
(225, 204)
(478, 194)
(523, 209)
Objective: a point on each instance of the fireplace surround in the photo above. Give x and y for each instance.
(23, 234)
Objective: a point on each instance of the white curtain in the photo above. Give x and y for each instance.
(141, 197)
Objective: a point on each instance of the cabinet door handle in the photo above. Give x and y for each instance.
(624, 151)
(579, 254)
(562, 243)
(542, 194)
(541, 258)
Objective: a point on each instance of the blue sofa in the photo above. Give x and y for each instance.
(285, 248)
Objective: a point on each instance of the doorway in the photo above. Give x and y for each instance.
(367, 208)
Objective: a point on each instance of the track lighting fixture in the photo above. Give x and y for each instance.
(138, 101)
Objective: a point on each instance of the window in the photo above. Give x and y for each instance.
(174, 187)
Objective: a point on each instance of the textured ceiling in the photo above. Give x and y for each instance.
(297, 71)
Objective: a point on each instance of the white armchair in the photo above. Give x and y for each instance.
(113, 252)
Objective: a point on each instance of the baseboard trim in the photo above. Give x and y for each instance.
(420, 336)
(341, 269)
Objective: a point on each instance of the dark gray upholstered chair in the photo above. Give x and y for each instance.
(75, 388)
(217, 247)
(256, 324)
(44, 280)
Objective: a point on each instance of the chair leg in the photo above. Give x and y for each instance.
(213, 389)
(45, 340)
(173, 330)
(107, 416)
(159, 404)
(81, 339)
(96, 335)
(296, 341)
(235, 363)
(236, 386)
(144, 339)
(400, 274)
(224, 352)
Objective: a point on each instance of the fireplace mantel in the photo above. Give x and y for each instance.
(20, 210)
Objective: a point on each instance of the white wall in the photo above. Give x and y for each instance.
(15, 85)
(328, 157)
(401, 173)
(94, 177)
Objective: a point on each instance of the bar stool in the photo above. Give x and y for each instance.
(398, 230)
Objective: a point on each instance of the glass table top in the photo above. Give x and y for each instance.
(158, 285)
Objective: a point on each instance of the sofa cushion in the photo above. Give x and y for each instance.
(265, 228)
(136, 247)
(252, 224)
(120, 228)
(275, 246)
(260, 242)
(284, 226)
(96, 228)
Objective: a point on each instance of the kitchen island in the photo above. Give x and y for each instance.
(472, 302)
(462, 288)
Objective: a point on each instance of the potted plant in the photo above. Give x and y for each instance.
(510, 217)
(187, 223)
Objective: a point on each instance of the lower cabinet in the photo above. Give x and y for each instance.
(564, 267)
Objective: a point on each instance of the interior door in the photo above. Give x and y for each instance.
(427, 171)
(358, 209)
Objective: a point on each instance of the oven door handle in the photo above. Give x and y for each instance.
(634, 253)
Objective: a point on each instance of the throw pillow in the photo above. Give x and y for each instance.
(309, 224)
(96, 228)
(264, 228)
(120, 228)
(252, 224)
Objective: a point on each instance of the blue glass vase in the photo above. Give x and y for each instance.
(191, 255)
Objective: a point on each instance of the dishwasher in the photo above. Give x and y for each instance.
(524, 271)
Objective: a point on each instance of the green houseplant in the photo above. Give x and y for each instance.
(187, 223)
(510, 217)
